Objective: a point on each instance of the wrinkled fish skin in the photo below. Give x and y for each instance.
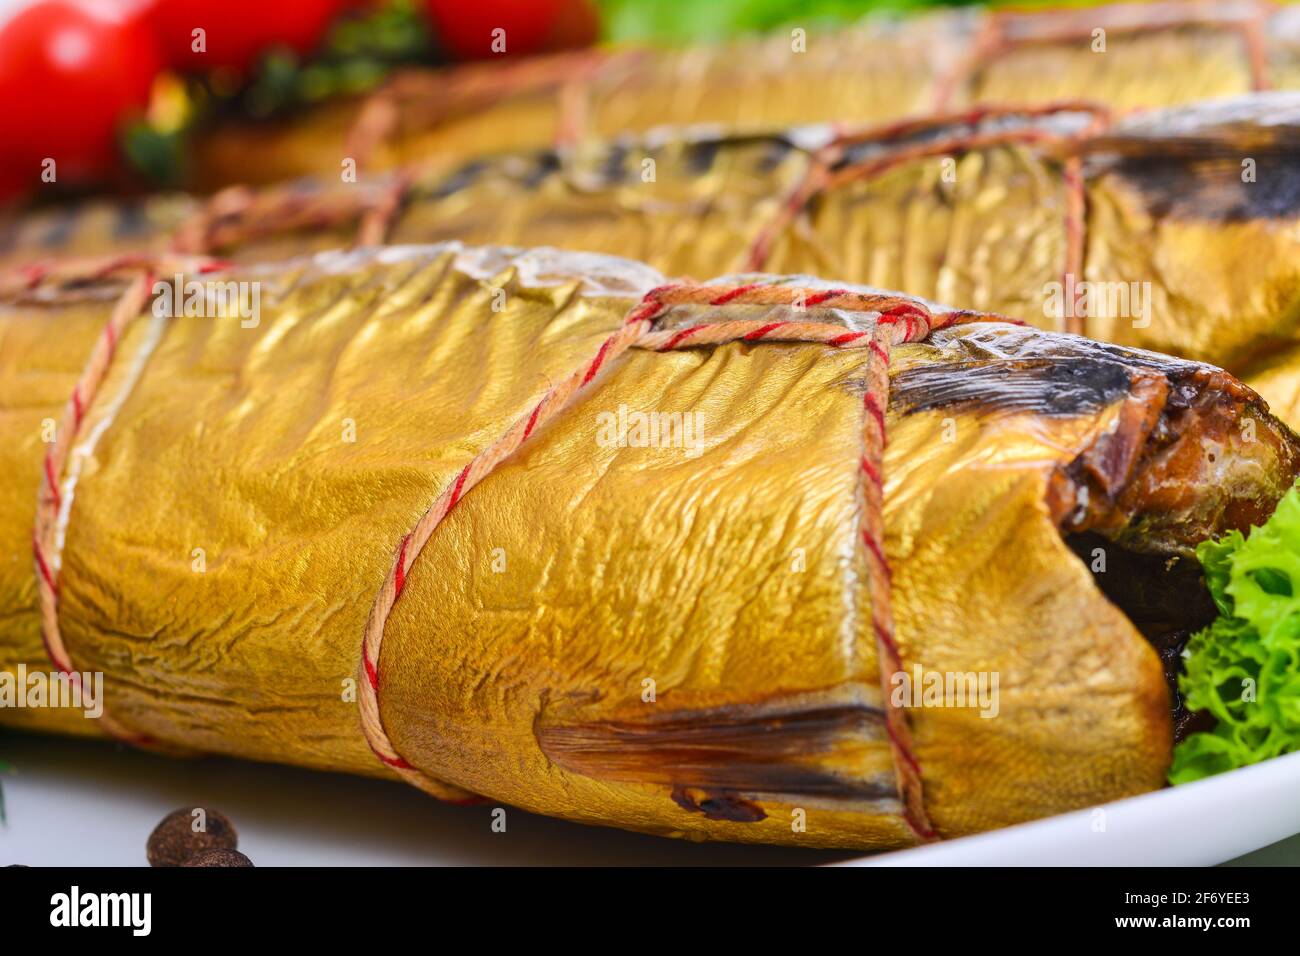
(731, 580)
(1186, 254)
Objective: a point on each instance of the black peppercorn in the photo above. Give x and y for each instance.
(187, 831)
(218, 858)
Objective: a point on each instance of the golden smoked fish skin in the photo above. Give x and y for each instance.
(1176, 230)
(671, 639)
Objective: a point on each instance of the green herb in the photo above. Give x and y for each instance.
(159, 154)
(684, 21)
(1245, 667)
(355, 57)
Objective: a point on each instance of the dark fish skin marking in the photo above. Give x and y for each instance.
(462, 178)
(929, 133)
(62, 228)
(701, 155)
(130, 221)
(548, 163)
(613, 165)
(723, 752)
(1043, 386)
(1187, 164)
(723, 806)
(996, 341)
(1214, 191)
(775, 152)
(1030, 354)
(1087, 373)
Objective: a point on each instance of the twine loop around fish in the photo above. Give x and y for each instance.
(887, 321)
(879, 323)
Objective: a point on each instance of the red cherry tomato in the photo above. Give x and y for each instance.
(70, 71)
(237, 32)
(12, 185)
(468, 30)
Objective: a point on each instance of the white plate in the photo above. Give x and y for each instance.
(78, 803)
(1196, 824)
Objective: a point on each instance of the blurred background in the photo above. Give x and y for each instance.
(117, 92)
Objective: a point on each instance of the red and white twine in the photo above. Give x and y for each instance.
(46, 546)
(49, 498)
(238, 213)
(891, 320)
(896, 320)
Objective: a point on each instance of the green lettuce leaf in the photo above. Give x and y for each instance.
(1245, 667)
